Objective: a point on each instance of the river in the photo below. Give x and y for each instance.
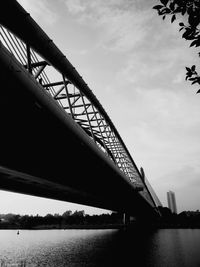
(95, 248)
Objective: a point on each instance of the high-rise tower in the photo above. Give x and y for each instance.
(171, 201)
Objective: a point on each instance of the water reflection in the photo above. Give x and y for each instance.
(175, 247)
(76, 248)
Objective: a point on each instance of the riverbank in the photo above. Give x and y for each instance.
(78, 226)
(63, 227)
(100, 227)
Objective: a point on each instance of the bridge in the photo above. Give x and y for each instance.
(57, 141)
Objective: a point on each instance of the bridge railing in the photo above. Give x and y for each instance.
(86, 112)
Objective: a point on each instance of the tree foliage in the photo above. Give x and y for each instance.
(190, 9)
(68, 218)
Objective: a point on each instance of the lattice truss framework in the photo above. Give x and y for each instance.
(77, 105)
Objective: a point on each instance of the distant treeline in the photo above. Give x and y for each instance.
(68, 219)
(78, 219)
(185, 219)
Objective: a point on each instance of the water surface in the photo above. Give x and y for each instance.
(76, 248)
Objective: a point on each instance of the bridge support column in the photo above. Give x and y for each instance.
(126, 219)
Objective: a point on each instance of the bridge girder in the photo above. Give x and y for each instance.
(32, 100)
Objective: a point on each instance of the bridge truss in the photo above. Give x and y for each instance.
(56, 76)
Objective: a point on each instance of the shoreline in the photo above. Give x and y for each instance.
(97, 227)
(65, 227)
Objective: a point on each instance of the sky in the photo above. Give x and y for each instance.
(134, 62)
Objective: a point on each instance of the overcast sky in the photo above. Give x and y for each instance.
(134, 62)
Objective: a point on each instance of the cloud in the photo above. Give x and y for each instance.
(156, 62)
(75, 6)
(183, 177)
(122, 23)
(40, 10)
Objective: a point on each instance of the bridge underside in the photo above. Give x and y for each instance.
(43, 152)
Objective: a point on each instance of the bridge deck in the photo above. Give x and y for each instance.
(44, 151)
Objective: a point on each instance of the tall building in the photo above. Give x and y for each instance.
(171, 201)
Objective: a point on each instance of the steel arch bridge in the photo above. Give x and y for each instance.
(29, 57)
